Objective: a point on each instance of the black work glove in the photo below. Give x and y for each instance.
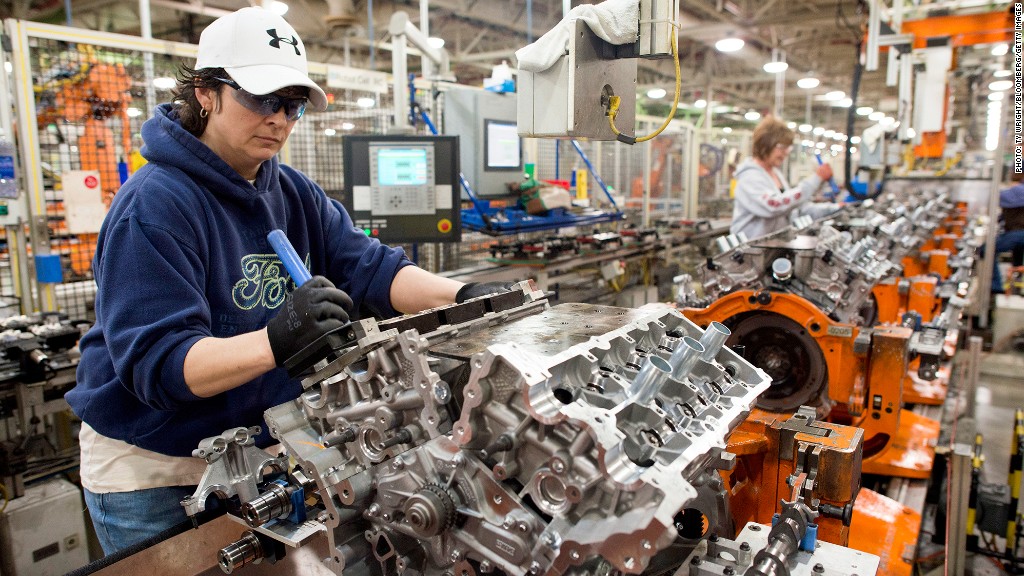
(309, 312)
(477, 289)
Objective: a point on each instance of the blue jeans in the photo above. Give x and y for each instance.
(1012, 241)
(125, 518)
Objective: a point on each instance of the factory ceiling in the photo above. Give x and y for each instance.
(815, 37)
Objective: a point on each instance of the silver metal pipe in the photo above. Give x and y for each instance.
(685, 356)
(713, 339)
(650, 379)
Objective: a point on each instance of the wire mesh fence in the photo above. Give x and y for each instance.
(90, 99)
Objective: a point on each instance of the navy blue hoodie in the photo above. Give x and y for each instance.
(183, 255)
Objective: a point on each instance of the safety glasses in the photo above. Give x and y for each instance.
(267, 104)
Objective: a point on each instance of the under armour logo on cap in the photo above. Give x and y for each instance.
(277, 40)
(234, 42)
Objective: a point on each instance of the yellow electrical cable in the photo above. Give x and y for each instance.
(615, 101)
(7, 499)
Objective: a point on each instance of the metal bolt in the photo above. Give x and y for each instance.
(744, 546)
(442, 394)
(819, 569)
(534, 567)
(695, 561)
(509, 522)
(486, 566)
(373, 511)
(557, 466)
(728, 571)
(456, 555)
(575, 555)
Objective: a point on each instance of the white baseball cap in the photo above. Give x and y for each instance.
(261, 52)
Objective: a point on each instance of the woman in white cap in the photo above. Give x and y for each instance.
(194, 313)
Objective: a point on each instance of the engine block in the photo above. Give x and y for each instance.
(834, 262)
(501, 436)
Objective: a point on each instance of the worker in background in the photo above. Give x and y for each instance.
(195, 314)
(1011, 238)
(763, 199)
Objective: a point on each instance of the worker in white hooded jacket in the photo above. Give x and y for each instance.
(764, 200)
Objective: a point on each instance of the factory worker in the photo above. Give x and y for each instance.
(763, 199)
(1011, 234)
(194, 312)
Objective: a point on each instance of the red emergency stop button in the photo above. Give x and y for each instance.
(444, 225)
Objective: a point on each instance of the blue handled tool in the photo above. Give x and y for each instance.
(286, 252)
(831, 181)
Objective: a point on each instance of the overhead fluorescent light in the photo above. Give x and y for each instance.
(808, 82)
(656, 93)
(729, 44)
(775, 67)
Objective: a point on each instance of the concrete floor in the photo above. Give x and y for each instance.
(1000, 393)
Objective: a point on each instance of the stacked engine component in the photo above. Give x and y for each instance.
(32, 347)
(822, 307)
(553, 247)
(831, 261)
(819, 263)
(501, 435)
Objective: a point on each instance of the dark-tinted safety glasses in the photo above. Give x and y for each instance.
(267, 104)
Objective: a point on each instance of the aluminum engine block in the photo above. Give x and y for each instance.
(498, 436)
(833, 262)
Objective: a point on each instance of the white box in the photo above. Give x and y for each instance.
(43, 532)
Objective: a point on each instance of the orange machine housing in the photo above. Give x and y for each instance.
(865, 375)
(772, 452)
